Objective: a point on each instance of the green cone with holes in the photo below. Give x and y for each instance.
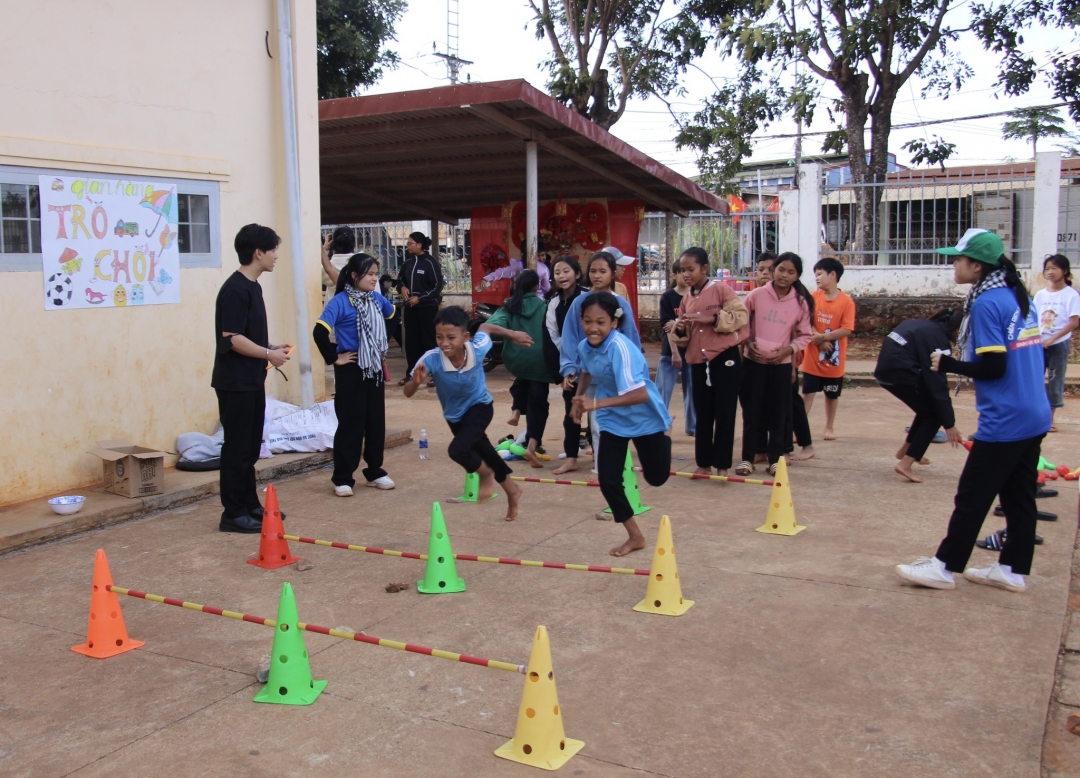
(290, 680)
(440, 575)
(630, 487)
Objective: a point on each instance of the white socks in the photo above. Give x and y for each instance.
(1016, 579)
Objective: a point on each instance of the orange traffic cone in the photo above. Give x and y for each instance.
(106, 634)
(273, 548)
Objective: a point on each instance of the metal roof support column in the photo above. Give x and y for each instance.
(532, 228)
(669, 244)
(433, 233)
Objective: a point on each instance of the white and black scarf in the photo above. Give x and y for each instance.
(370, 332)
(995, 280)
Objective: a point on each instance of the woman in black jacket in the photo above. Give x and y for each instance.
(421, 284)
(903, 369)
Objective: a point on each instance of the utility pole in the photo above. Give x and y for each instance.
(453, 61)
(798, 135)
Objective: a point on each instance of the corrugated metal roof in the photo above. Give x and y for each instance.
(439, 153)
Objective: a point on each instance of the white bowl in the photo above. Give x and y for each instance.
(72, 503)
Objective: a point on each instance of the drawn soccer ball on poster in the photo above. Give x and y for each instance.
(58, 289)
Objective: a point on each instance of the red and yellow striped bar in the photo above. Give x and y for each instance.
(495, 560)
(559, 481)
(730, 478)
(337, 633)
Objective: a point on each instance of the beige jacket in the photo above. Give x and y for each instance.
(703, 342)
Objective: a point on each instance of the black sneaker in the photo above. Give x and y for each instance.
(257, 514)
(243, 524)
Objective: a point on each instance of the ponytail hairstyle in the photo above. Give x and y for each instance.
(422, 239)
(603, 256)
(798, 286)
(698, 254)
(1061, 262)
(526, 282)
(1014, 282)
(358, 264)
(608, 303)
(671, 284)
(344, 241)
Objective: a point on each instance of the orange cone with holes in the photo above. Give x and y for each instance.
(664, 594)
(106, 634)
(273, 548)
(539, 737)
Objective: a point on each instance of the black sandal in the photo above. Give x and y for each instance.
(996, 542)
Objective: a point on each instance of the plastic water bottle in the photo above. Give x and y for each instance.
(423, 445)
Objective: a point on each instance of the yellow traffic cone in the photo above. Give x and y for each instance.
(539, 739)
(780, 520)
(664, 595)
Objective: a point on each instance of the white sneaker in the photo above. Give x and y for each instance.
(993, 576)
(927, 571)
(383, 482)
(343, 491)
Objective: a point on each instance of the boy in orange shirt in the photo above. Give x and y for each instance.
(824, 359)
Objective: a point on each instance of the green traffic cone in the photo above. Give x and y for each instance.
(630, 488)
(440, 574)
(472, 489)
(290, 672)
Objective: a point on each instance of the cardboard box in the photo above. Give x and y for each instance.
(131, 471)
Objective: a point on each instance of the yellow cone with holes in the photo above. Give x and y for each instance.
(780, 520)
(539, 739)
(664, 595)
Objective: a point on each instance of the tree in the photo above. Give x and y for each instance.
(1033, 123)
(1000, 26)
(606, 51)
(867, 50)
(350, 36)
(932, 152)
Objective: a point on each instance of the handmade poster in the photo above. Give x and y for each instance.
(108, 242)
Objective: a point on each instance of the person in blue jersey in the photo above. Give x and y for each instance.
(456, 366)
(627, 407)
(601, 274)
(1000, 346)
(357, 314)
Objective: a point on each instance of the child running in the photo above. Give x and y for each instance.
(1058, 307)
(825, 359)
(567, 275)
(780, 314)
(457, 367)
(712, 323)
(627, 406)
(519, 322)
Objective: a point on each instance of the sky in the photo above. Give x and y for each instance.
(503, 45)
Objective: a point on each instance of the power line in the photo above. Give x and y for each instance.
(925, 123)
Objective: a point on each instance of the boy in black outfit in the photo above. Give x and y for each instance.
(240, 365)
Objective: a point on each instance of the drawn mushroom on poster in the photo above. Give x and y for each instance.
(162, 202)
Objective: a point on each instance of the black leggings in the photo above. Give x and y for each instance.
(360, 406)
(798, 425)
(1005, 469)
(715, 407)
(571, 428)
(531, 399)
(470, 447)
(926, 423)
(766, 401)
(654, 453)
(419, 324)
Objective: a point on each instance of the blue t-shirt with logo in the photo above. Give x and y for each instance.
(460, 389)
(339, 316)
(617, 366)
(1013, 407)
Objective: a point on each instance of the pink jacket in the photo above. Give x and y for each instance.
(776, 323)
(703, 342)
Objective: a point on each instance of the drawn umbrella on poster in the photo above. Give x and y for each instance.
(162, 202)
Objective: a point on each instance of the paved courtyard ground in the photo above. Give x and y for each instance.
(804, 656)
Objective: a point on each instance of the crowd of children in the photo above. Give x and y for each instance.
(729, 352)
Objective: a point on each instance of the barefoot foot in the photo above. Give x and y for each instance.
(569, 466)
(533, 460)
(514, 417)
(513, 496)
(908, 474)
(829, 434)
(487, 486)
(761, 458)
(702, 471)
(803, 454)
(632, 544)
